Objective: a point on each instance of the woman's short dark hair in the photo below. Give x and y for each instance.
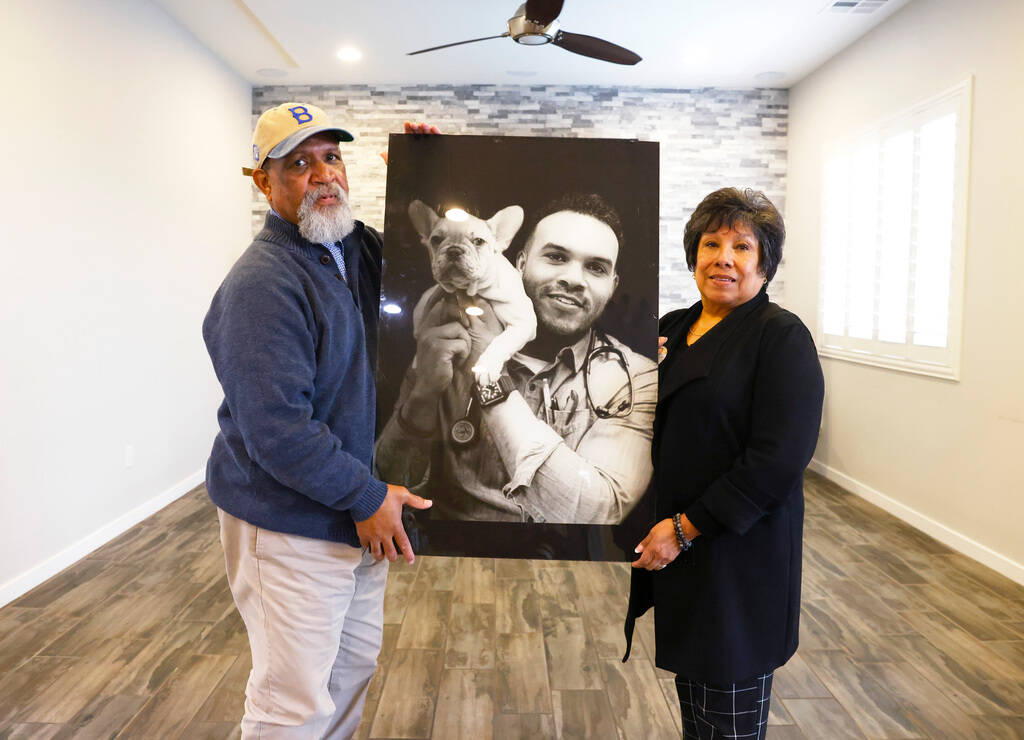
(749, 208)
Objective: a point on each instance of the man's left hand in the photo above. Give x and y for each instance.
(419, 128)
(384, 528)
(482, 327)
(414, 128)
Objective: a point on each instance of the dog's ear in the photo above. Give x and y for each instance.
(504, 224)
(423, 218)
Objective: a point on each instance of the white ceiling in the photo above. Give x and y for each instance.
(684, 43)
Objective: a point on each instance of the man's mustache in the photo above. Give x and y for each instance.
(573, 295)
(331, 188)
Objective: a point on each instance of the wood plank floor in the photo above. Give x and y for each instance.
(901, 638)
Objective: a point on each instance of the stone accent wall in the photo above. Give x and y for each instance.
(710, 138)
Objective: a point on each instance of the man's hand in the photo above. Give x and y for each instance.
(419, 128)
(414, 128)
(384, 528)
(482, 325)
(443, 344)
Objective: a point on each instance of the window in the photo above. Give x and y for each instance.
(894, 206)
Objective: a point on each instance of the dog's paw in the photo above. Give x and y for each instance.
(487, 369)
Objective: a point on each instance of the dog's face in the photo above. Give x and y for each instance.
(461, 251)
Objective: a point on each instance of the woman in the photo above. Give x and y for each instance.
(739, 404)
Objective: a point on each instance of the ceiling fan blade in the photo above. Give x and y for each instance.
(589, 46)
(543, 11)
(457, 43)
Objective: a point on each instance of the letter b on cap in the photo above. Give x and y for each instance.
(301, 114)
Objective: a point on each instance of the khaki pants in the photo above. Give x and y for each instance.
(313, 610)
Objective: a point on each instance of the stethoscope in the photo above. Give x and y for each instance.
(463, 431)
(606, 411)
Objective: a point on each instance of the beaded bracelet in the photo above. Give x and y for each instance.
(677, 523)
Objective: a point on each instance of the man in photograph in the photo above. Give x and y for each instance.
(564, 436)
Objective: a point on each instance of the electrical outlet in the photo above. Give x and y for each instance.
(129, 456)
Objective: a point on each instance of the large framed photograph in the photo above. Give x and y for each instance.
(517, 374)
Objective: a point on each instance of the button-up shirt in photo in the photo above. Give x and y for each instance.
(557, 461)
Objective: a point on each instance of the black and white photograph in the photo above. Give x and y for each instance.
(517, 377)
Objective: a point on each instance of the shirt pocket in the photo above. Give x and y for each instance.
(571, 426)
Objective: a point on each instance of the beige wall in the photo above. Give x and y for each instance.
(121, 208)
(946, 456)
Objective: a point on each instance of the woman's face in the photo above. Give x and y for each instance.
(728, 266)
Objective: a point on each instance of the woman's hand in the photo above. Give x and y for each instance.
(659, 547)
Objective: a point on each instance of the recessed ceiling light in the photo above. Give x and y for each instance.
(271, 72)
(391, 308)
(349, 54)
(456, 214)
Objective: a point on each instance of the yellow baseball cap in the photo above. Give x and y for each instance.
(282, 128)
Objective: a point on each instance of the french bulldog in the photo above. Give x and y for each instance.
(466, 259)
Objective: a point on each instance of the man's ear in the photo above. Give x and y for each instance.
(504, 224)
(521, 258)
(423, 218)
(262, 181)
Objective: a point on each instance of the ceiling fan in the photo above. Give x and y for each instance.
(535, 24)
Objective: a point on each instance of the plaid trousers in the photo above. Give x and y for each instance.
(738, 710)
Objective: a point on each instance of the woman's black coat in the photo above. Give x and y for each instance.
(736, 424)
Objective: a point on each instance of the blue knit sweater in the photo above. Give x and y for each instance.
(294, 346)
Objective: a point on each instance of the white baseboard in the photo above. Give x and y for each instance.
(950, 537)
(28, 580)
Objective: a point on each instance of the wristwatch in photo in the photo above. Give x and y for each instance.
(493, 393)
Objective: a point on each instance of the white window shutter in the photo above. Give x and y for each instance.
(893, 239)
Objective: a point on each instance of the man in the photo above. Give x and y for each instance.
(566, 437)
(292, 335)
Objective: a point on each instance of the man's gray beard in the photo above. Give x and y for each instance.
(325, 225)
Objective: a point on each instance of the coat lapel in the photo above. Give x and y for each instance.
(701, 354)
(696, 364)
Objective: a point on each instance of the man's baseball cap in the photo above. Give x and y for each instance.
(284, 127)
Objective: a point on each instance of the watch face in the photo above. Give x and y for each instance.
(490, 393)
(463, 432)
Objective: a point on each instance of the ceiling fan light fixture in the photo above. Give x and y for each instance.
(533, 39)
(528, 33)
